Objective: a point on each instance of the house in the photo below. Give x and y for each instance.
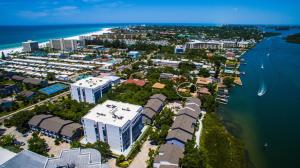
(189, 112)
(161, 97)
(204, 91)
(203, 81)
(158, 85)
(35, 82)
(166, 76)
(87, 158)
(6, 103)
(178, 137)
(55, 127)
(154, 106)
(168, 156)
(191, 100)
(8, 89)
(136, 82)
(28, 95)
(116, 123)
(185, 123)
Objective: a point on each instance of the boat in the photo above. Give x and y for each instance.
(262, 90)
(266, 146)
(268, 54)
(262, 66)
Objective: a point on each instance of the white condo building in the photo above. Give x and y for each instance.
(63, 44)
(89, 89)
(117, 123)
(30, 46)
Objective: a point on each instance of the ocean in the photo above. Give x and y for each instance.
(272, 118)
(13, 36)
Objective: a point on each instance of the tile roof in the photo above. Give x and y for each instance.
(136, 82)
(193, 100)
(188, 111)
(148, 112)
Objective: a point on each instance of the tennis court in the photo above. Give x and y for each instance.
(53, 88)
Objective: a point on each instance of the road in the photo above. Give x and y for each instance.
(51, 99)
(198, 133)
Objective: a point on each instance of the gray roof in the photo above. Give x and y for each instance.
(159, 96)
(185, 123)
(169, 153)
(154, 104)
(33, 81)
(26, 159)
(83, 158)
(27, 93)
(193, 100)
(70, 129)
(54, 124)
(18, 78)
(194, 107)
(179, 135)
(148, 112)
(168, 166)
(189, 112)
(36, 120)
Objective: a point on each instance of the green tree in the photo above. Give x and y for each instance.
(120, 159)
(228, 81)
(204, 73)
(103, 148)
(3, 56)
(193, 157)
(50, 76)
(37, 144)
(7, 140)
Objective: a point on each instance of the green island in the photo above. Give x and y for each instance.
(295, 38)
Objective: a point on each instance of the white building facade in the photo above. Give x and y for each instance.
(90, 89)
(63, 44)
(30, 46)
(119, 124)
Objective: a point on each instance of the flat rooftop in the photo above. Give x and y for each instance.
(113, 113)
(91, 82)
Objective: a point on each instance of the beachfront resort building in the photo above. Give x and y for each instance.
(90, 89)
(117, 123)
(63, 44)
(30, 46)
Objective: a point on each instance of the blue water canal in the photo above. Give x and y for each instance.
(266, 109)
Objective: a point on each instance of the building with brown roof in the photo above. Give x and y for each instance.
(158, 85)
(36, 120)
(189, 112)
(154, 106)
(52, 126)
(148, 115)
(203, 81)
(168, 156)
(136, 82)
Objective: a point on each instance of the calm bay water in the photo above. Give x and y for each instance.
(274, 117)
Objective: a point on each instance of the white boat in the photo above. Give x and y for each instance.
(262, 66)
(262, 90)
(268, 54)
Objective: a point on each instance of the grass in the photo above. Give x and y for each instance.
(221, 148)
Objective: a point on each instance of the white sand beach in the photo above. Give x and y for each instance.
(19, 49)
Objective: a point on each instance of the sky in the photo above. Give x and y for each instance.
(41, 12)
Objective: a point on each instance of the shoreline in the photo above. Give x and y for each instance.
(43, 44)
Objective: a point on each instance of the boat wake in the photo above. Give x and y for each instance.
(262, 90)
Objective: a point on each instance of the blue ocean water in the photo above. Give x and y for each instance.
(13, 36)
(273, 117)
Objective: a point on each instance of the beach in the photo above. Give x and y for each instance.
(43, 44)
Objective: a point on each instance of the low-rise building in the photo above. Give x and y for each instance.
(134, 54)
(119, 124)
(168, 155)
(210, 44)
(154, 106)
(90, 89)
(179, 49)
(55, 127)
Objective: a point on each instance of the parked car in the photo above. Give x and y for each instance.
(19, 143)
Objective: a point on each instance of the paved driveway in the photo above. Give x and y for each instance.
(140, 160)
